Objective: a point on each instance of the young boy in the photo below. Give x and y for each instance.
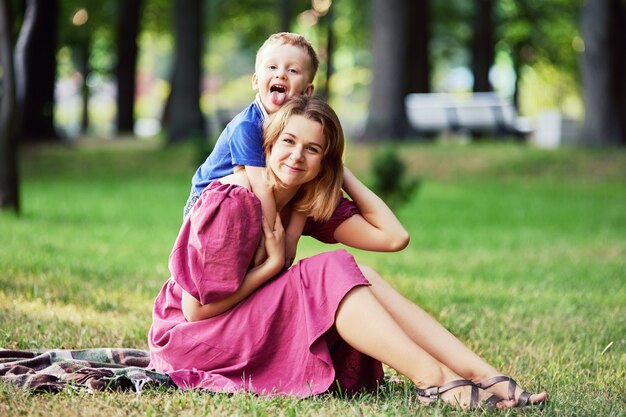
(285, 65)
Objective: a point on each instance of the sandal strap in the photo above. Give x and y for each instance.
(524, 399)
(436, 391)
(492, 401)
(455, 384)
(474, 399)
(488, 383)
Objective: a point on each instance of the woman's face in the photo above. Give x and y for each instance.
(296, 156)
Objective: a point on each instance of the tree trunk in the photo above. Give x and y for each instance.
(483, 45)
(9, 195)
(285, 15)
(418, 47)
(386, 114)
(83, 67)
(35, 64)
(330, 50)
(603, 66)
(127, 64)
(520, 56)
(186, 119)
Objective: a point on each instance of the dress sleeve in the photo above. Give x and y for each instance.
(216, 243)
(325, 231)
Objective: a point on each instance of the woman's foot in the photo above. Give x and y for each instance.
(461, 393)
(506, 388)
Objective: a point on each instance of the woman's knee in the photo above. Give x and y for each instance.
(369, 273)
(374, 277)
(379, 285)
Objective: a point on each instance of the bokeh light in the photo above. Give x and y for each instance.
(321, 6)
(80, 17)
(308, 18)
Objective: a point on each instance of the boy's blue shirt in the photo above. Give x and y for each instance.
(240, 143)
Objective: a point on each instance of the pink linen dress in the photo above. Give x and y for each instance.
(272, 342)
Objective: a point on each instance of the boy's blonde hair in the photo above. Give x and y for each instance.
(317, 198)
(294, 39)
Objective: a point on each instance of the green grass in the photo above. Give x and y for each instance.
(520, 252)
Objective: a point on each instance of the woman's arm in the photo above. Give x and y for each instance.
(275, 246)
(376, 228)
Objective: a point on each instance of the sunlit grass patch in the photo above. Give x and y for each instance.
(520, 252)
(55, 325)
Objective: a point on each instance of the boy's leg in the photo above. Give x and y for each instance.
(191, 200)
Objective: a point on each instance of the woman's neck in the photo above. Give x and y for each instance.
(283, 196)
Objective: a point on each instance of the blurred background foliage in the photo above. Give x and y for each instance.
(180, 69)
(536, 48)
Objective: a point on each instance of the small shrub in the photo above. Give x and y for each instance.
(390, 179)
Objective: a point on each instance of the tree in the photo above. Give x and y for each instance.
(9, 194)
(90, 39)
(330, 50)
(35, 65)
(386, 113)
(483, 45)
(185, 117)
(418, 47)
(284, 7)
(127, 64)
(327, 52)
(603, 67)
(251, 21)
(539, 32)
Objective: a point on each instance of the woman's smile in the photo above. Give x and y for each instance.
(294, 168)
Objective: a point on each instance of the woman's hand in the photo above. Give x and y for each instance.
(274, 241)
(275, 247)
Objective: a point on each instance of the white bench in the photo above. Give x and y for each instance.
(477, 113)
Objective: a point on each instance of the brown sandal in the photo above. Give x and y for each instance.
(522, 401)
(431, 395)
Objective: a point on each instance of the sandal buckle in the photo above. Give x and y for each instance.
(430, 393)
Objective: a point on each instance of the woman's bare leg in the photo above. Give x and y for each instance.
(366, 325)
(435, 339)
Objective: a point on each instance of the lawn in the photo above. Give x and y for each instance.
(520, 252)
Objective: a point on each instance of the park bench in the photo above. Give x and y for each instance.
(475, 114)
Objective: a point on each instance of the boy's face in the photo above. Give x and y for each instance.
(282, 71)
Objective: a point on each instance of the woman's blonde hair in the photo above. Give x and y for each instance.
(317, 198)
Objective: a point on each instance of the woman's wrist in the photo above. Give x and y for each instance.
(273, 265)
(348, 181)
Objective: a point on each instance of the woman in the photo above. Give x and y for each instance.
(220, 325)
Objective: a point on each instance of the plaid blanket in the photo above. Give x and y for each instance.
(90, 369)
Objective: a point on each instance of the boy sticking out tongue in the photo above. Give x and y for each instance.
(285, 66)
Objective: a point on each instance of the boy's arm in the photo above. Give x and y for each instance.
(260, 188)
